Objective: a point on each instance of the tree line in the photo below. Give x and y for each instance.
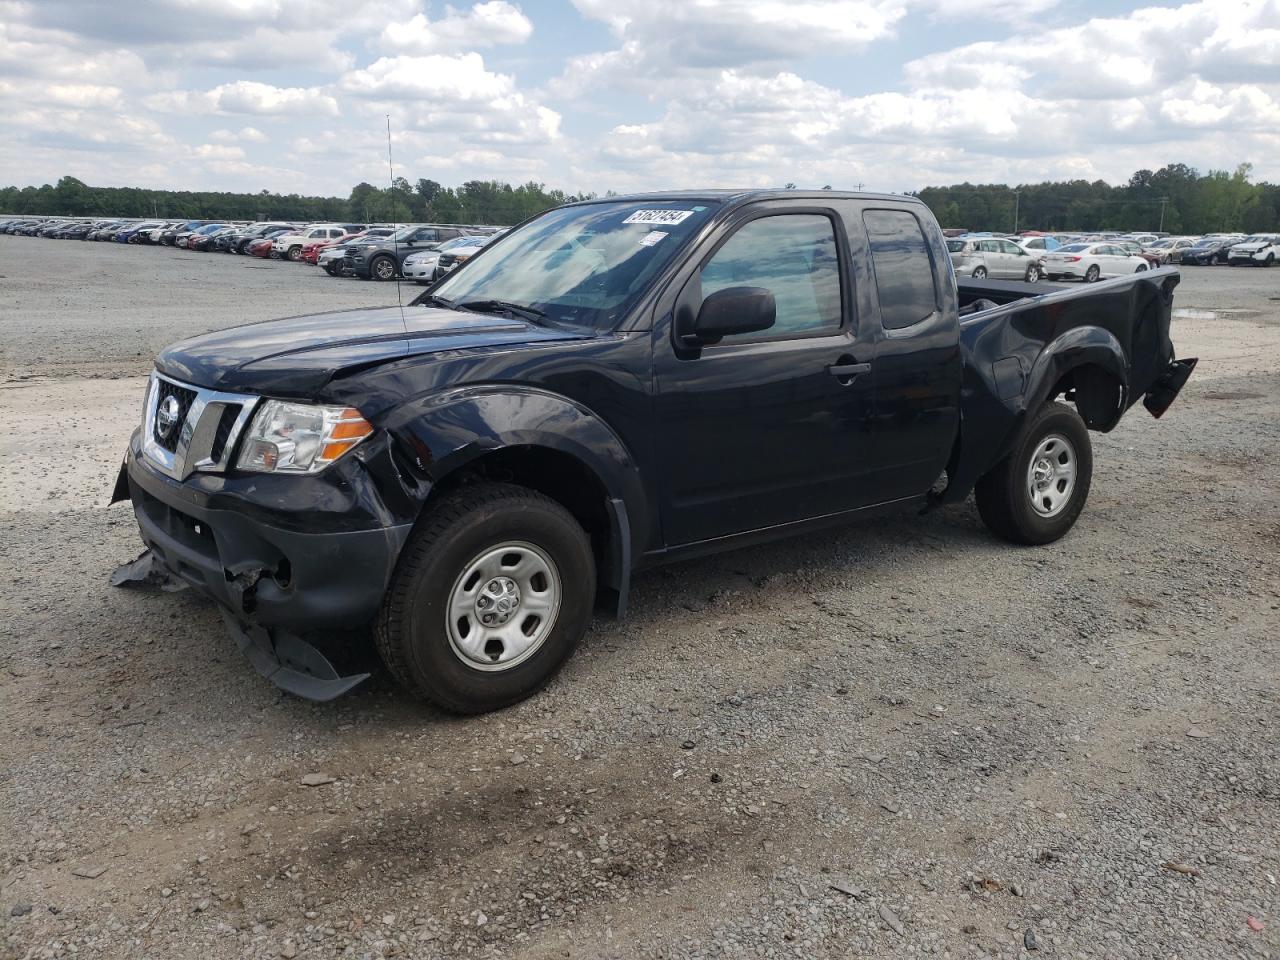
(476, 201)
(1176, 198)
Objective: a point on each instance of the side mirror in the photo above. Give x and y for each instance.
(734, 310)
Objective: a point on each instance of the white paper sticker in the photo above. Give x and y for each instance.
(659, 216)
(652, 237)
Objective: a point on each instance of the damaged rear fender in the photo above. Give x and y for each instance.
(1003, 382)
(1091, 361)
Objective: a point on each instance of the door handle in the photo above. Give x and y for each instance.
(846, 373)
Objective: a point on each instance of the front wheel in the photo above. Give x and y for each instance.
(383, 268)
(1036, 494)
(1033, 274)
(490, 597)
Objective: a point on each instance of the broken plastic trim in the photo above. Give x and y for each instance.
(289, 662)
(147, 571)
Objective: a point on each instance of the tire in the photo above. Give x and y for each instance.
(979, 273)
(1092, 274)
(330, 270)
(1141, 268)
(1023, 500)
(1270, 261)
(1033, 274)
(294, 253)
(417, 637)
(382, 268)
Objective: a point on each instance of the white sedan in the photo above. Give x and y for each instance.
(1092, 261)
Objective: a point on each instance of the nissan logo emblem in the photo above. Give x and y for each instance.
(167, 416)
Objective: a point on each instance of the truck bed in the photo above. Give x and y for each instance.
(1102, 345)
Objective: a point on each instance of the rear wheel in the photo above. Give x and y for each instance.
(1091, 275)
(979, 273)
(491, 595)
(1036, 494)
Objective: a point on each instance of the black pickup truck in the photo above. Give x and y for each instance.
(615, 384)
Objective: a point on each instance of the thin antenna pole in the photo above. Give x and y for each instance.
(391, 192)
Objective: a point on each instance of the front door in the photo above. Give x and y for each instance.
(765, 428)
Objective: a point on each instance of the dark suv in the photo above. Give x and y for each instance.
(382, 259)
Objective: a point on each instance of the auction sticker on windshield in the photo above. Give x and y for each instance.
(659, 216)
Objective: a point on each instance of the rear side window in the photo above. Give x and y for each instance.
(794, 257)
(903, 267)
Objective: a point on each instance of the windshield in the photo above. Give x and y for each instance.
(581, 265)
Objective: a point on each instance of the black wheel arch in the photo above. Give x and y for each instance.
(537, 439)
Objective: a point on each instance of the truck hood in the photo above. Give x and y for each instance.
(296, 357)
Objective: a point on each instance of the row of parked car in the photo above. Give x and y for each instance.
(421, 252)
(1033, 255)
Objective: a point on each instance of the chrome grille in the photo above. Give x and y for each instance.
(185, 397)
(204, 436)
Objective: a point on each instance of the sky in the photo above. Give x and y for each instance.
(292, 96)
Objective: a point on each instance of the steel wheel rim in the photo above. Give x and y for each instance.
(1051, 475)
(516, 585)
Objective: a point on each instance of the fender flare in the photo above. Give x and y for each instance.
(1080, 347)
(444, 432)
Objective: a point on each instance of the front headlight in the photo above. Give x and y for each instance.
(287, 437)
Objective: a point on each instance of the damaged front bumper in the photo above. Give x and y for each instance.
(239, 543)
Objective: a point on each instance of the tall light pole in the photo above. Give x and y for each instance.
(1163, 201)
(1016, 197)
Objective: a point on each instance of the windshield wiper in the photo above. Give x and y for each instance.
(431, 300)
(532, 314)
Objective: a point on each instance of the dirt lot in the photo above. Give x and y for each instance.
(900, 739)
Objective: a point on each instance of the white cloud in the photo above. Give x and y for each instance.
(218, 151)
(243, 135)
(663, 41)
(485, 24)
(246, 96)
(430, 78)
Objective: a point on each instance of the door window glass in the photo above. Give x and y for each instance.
(794, 257)
(903, 267)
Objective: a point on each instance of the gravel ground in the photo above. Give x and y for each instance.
(900, 739)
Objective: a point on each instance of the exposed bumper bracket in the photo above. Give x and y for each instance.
(289, 662)
(1165, 390)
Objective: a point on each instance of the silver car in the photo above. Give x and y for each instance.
(980, 257)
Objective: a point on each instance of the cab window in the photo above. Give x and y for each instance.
(903, 267)
(794, 257)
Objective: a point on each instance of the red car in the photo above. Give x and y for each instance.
(311, 251)
(260, 248)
